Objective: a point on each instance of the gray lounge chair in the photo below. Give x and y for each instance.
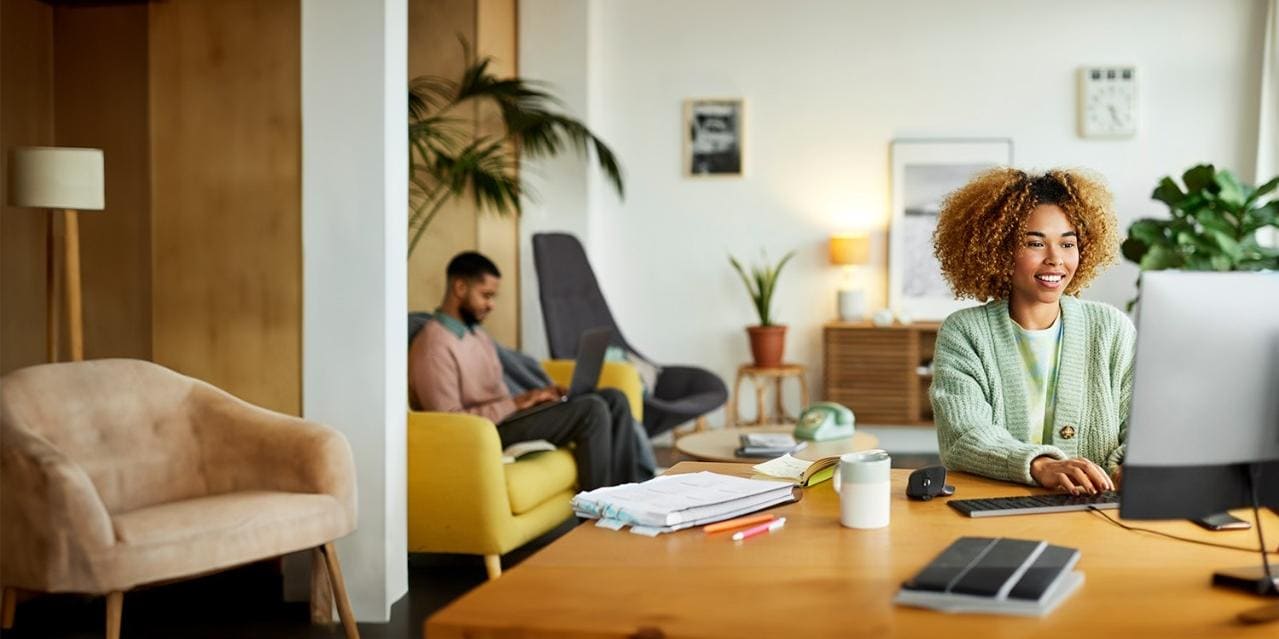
(572, 302)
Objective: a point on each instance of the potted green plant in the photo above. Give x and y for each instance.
(1213, 225)
(768, 340)
(447, 158)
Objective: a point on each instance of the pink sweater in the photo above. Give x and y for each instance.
(453, 374)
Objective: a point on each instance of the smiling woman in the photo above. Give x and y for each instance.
(1034, 385)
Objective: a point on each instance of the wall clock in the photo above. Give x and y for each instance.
(1108, 102)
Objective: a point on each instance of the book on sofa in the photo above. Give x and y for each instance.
(995, 576)
(518, 450)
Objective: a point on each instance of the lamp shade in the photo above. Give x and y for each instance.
(56, 178)
(849, 249)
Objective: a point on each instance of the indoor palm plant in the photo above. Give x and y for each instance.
(1213, 225)
(768, 340)
(447, 158)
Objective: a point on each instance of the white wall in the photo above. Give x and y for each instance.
(828, 84)
(354, 195)
(553, 39)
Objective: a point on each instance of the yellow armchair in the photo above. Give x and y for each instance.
(463, 499)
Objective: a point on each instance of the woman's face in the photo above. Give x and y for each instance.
(1047, 257)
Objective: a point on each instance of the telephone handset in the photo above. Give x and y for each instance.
(825, 421)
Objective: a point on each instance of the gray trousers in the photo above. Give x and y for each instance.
(600, 427)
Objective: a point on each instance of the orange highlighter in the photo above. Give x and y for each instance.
(740, 522)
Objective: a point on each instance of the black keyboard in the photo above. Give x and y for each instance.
(1034, 504)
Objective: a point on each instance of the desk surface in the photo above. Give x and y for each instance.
(815, 578)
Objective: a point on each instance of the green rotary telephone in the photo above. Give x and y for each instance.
(825, 421)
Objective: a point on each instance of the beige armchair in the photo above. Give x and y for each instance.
(119, 473)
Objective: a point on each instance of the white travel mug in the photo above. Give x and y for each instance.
(863, 481)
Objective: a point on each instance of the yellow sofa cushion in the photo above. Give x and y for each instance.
(537, 477)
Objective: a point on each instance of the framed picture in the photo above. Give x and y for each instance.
(923, 173)
(713, 137)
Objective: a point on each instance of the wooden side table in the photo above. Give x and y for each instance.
(760, 377)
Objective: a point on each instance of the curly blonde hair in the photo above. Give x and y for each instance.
(980, 226)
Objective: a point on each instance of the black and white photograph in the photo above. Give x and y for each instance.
(924, 172)
(713, 137)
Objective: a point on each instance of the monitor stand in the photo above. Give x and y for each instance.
(1252, 580)
(1258, 580)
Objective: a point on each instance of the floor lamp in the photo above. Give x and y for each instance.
(70, 180)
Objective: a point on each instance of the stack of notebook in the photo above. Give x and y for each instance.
(768, 444)
(995, 576)
(674, 502)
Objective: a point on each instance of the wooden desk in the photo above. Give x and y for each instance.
(815, 578)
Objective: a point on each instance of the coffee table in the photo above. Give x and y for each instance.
(718, 445)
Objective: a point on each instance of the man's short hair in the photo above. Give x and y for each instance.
(471, 266)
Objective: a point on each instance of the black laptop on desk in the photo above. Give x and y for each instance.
(591, 348)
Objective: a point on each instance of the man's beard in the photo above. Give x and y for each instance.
(468, 316)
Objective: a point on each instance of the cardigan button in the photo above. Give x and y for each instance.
(1067, 432)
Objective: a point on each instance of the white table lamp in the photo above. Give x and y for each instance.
(850, 251)
(70, 180)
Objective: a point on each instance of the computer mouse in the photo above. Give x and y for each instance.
(928, 482)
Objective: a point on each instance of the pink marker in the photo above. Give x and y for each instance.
(760, 529)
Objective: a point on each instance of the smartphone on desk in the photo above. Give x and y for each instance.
(1222, 521)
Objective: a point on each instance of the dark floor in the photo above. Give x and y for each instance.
(246, 602)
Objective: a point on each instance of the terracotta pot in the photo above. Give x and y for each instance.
(767, 344)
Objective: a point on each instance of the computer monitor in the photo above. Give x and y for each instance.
(1205, 395)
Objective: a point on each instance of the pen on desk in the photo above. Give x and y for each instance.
(760, 529)
(737, 523)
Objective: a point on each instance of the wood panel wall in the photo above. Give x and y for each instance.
(196, 263)
(26, 119)
(225, 105)
(100, 101)
(499, 236)
(434, 49)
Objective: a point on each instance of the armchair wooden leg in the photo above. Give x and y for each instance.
(339, 591)
(321, 592)
(493, 564)
(702, 424)
(8, 608)
(115, 610)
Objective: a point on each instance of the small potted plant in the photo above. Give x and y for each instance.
(1212, 227)
(768, 340)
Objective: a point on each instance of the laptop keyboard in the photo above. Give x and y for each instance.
(1034, 504)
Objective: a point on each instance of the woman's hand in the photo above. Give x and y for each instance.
(1076, 476)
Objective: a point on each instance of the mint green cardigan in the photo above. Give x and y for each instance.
(978, 392)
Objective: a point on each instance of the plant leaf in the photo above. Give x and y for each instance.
(1134, 249)
(1168, 192)
(1159, 258)
(1232, 192)
(1262, 191)
(1198, 178)
(1228, 245)
(1148, 230)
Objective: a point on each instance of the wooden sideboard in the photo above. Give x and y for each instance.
(878, 371)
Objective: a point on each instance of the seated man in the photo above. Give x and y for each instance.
(454, 367)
